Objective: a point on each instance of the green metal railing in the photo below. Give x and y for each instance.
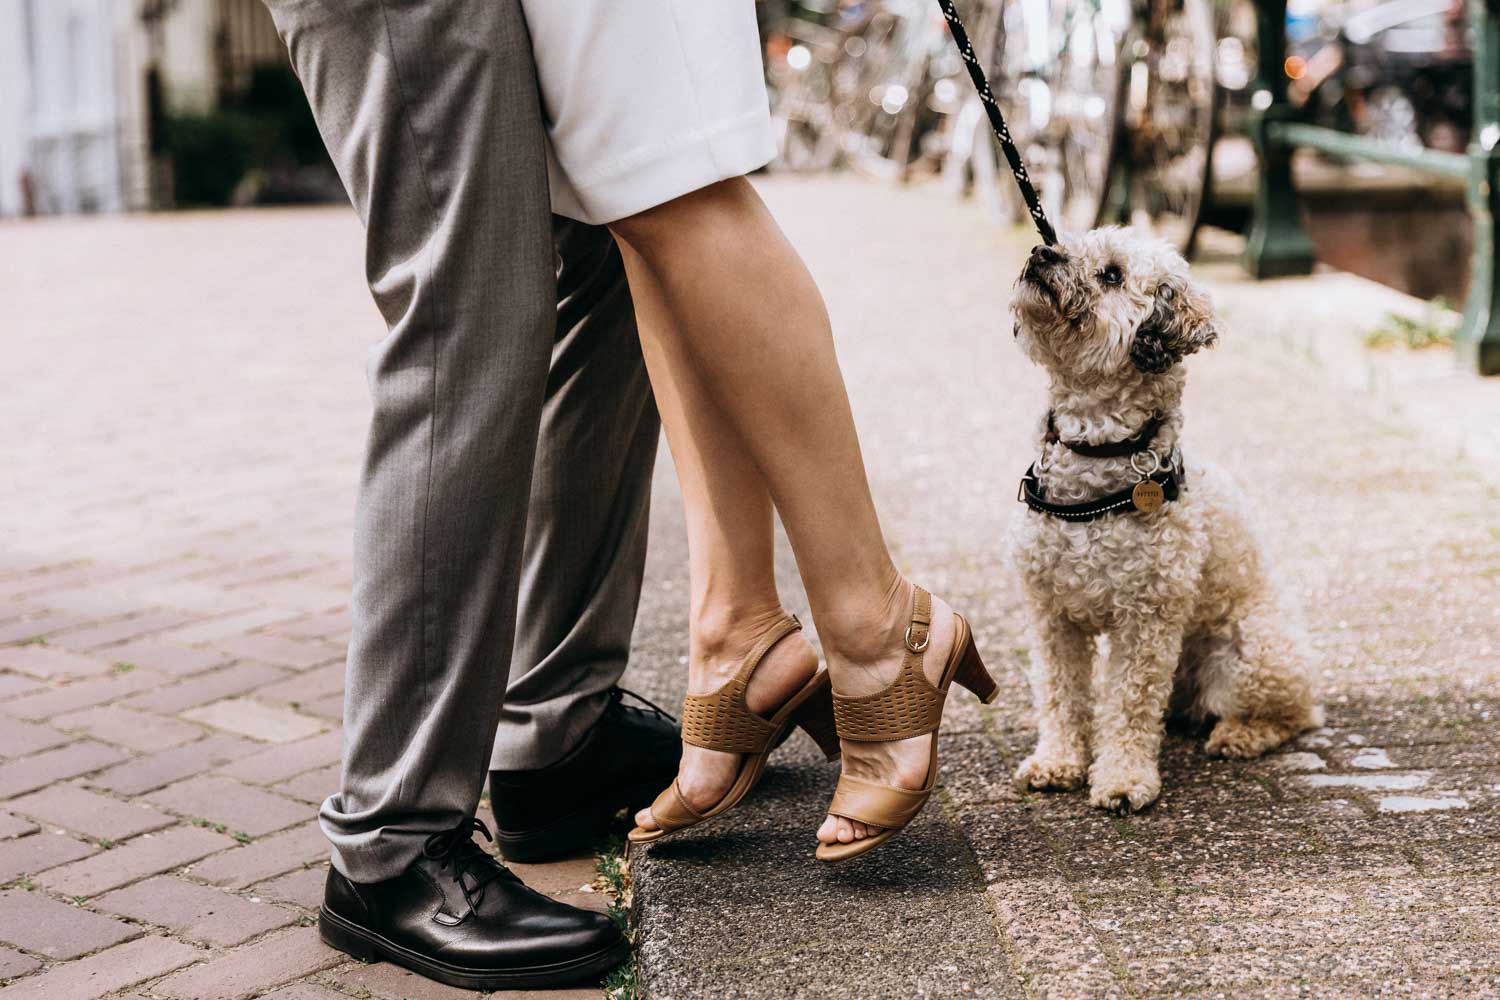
(1278, 243)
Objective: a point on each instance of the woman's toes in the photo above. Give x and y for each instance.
(828, 833)
(645, 820)
(846, 831)
(859, 831)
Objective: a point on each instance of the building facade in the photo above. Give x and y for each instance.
(76, 105)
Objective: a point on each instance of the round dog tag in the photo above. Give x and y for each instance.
(1148, 496)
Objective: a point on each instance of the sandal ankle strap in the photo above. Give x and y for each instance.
(721, 720)
(911, 705)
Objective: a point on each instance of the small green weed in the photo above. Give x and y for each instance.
(1434, 328)
(622, 982)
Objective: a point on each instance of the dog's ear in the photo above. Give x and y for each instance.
(1181, 322)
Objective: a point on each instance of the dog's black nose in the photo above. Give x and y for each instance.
(1044, 256)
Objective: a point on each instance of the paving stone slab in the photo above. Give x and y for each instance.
(56, 930)
(151, 771)
(177, 661)
(17, 738)
(257, 720)
(148, 854)
(288, 760)
(194, 912)
(241, 808)
(114, 969)
(29, 773)
(128, 728)
(89, 813)
(254, 968)
(38, 852)
(266, 857)
(13, 964)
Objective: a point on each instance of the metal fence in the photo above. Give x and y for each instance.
(1278, 244)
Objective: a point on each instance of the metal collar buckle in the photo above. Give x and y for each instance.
(926, 639)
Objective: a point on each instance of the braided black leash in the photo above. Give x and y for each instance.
(997, 122)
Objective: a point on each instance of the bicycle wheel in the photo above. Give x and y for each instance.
(1170, 121)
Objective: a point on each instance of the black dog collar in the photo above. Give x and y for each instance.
(1169, 479)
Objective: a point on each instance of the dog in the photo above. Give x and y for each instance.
(1122, 538)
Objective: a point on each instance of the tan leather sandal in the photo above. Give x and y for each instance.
(721, 721)
(909, 707)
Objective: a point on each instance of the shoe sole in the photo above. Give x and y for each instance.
(563, 837)
(367, 946)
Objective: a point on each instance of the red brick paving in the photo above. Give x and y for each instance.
(89, 813)
(223, 800)
(278, 958)
(56, 930)
(148, 854)
(104, 972)
(129, 728)
(18, 739)
(195, 912)
(28, 773)
(149, 771)
(265, 857)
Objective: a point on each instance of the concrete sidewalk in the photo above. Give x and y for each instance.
(1362, 862)
(183, 413)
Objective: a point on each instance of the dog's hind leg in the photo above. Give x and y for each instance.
(1257, 683)
(1060, 667)
(1130, 707)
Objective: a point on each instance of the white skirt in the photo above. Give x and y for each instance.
(647, 100)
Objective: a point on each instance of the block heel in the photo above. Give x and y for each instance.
(973, 674)
(815, 718)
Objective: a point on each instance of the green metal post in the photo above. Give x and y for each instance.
(1478, 338)
(1278, 245)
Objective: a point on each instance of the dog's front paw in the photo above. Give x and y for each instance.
(1039, 773)
(1246, 738)
(1123, 789)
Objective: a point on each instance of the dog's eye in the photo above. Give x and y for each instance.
(1112, 275)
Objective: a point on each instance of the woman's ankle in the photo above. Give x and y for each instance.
(726, 633)
(865, 633)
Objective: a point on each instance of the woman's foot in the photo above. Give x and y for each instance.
(863, 662)
(704, 776)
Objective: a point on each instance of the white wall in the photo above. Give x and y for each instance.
(15, 104)
(189, 59)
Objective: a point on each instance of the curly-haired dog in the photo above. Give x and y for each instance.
(1169, 571)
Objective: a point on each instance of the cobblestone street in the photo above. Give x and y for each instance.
(183, 410)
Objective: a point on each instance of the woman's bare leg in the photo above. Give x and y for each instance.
(739, 309)
(730, 548)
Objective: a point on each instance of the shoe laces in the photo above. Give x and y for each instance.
(472, 866)
(616, 700)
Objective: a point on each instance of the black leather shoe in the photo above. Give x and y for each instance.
(459, 916)
(629, 756)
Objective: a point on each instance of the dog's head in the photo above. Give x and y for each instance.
(1110, 302)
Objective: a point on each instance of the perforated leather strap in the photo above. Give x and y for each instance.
(721, 720)
(911, 706)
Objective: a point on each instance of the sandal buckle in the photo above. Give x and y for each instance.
(914, 647)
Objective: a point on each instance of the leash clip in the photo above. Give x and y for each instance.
(1156, 465)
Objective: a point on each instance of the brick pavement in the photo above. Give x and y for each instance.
(182, 429)
(184, 407)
